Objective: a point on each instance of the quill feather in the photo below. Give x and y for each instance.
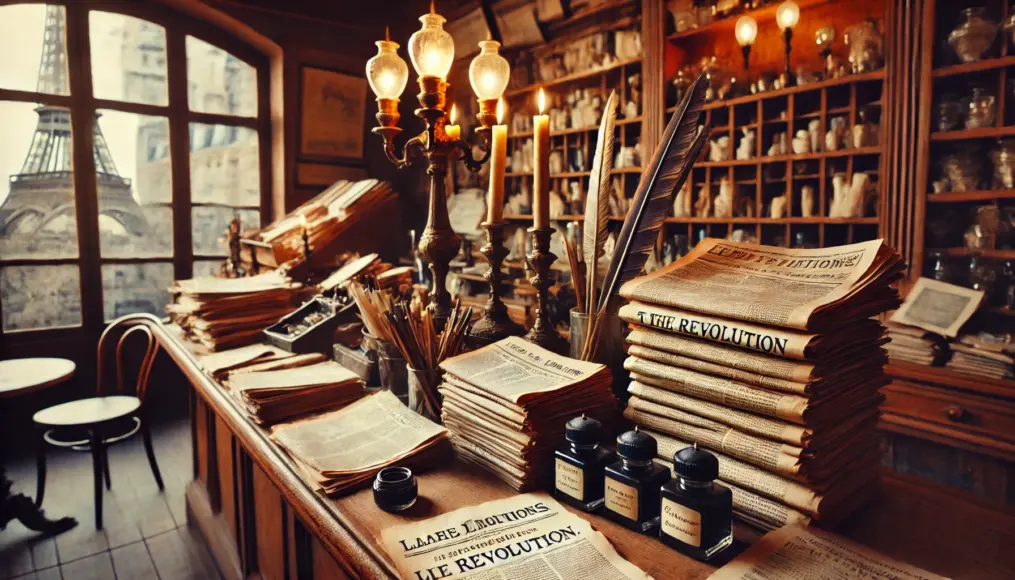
(597, 201)
(681, 143)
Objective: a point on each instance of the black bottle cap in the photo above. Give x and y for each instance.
(583, 430)
(696, 464)
(636, 445)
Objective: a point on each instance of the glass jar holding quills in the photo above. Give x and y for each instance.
(974, 35)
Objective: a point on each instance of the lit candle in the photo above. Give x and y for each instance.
(498, 161)
(541, 166)
(453, 131)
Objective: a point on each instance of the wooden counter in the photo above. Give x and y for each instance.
(262, 521)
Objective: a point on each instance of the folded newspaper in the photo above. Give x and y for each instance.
(342, 450)
(506, 405)
(771, 358)
(517, 538)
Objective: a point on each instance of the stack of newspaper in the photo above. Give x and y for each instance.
(506, 405)
(344, 449)
(273, 393)
(912, 345)
(770, 358)
(983, 354)
(225, 313)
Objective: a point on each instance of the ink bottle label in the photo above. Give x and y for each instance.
(681, 523)
(622, 499)
(570, 480)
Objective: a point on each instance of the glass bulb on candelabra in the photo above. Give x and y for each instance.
(787, 14)
(489, 72)
(387, 73)
(431, 48)
(746, 31)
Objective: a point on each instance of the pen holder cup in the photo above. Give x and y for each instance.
(418, 381)
(391, 368)
(609, 347)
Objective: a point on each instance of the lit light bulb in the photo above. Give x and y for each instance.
(787, 14)
(387, 73)
(431, 48)
(746, 31)
(489, 72)
(500, 111)
(541, 101)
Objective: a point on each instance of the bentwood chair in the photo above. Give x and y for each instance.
(104, 419)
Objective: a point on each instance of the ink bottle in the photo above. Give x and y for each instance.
(580, 465)
(632, 484)
(697, 513)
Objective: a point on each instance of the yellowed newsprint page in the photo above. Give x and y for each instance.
(798, 553)
(522, 537)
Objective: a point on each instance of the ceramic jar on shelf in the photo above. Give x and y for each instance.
(962, 171)
(981, 110)
(1003, 158)
(974, 35)
(866, 46)
(949, 113)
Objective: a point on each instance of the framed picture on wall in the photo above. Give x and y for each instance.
(332, 114)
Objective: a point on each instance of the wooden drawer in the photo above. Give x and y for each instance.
(983, 424)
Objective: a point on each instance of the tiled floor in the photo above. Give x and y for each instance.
(145, 534)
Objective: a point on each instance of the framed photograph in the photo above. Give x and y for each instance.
(332, 114)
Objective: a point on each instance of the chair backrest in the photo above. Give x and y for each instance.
(151, 348)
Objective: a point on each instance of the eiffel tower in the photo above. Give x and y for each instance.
(41, 199)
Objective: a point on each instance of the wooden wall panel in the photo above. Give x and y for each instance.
(228, 492)
(271, 536)
(325, 567)
(200, 425)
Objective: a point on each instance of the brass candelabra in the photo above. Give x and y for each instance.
(438, 244)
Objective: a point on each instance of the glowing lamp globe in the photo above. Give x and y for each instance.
(431, 48)
(787, 14)
(489, 72)
(387, 73)
(746, 31)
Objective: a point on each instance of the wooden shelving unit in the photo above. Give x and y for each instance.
(756, 181)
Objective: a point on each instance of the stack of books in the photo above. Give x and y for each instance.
(326, 219)
(913, 345)
(750, 352)
(343, 450)
(506, 405)
(279, 390)
(225, 313)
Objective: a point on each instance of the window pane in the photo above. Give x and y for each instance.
(33, 42)
(210, 223)
(224, 166)
(40, 297)
(128, 59)
(207, 267)
(37, 216)
(135, 187)
(132, 288)
(219, 82)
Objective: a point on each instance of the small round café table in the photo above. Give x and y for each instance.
(20, 376)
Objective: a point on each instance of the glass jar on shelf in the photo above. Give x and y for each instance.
(941, 267)
(949, 113)
(1003, 158)
(974, 35)
(962, 170)
(866, 46)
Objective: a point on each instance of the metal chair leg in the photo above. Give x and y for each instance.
(97, 461)
(146, 435)
(40, 468)
(105, 468)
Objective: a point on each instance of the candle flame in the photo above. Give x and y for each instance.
(454, 113)
(303, 220)
(542, 101)
(500, 111)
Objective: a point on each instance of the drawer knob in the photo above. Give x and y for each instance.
(954, 413)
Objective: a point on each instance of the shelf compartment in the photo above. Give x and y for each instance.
(571, 78)
(816, 86)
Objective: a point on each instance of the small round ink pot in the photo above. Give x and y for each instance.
(395, 489)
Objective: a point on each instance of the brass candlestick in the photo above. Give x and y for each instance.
(543, 332)
(495, 323)
(438, 244)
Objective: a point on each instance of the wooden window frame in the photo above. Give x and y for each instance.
(83, 105)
